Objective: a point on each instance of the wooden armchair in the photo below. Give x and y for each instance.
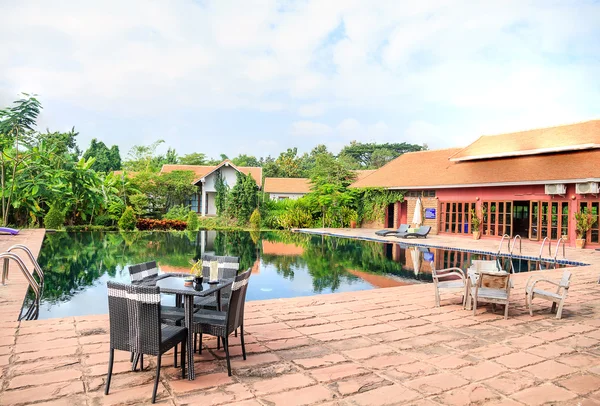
(451, 279)
(491, 287)
(558, 297)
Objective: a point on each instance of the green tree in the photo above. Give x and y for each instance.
(55, 218)
(16, 125)
(222, 193)
(242, 199)
(127, 221)
(245, 160)
(195, 158)
(107, 160)
(362, 153)
(143, 158)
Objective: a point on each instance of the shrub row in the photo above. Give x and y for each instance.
(151, 224)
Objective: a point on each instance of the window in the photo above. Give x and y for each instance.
(421, 193)
(549, 219)
(283, 197)
(456, 217)
(593, 207)
(497, 218)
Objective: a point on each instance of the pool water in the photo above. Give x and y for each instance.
(78, 265)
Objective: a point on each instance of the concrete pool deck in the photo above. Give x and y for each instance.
(378, 347)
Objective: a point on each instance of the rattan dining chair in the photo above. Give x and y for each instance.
(228, 268)
(147, 274)
(135, 326)
(223, 323)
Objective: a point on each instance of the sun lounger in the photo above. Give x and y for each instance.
(402, 229)
(420, 233)
(6, 230)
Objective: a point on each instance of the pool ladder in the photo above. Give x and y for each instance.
(33, 310)
(560, 241)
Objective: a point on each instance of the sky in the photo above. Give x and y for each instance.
(257, 77)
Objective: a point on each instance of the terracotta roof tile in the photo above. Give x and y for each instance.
(570, 137)
(361, 174)
(432, 169)
(201, 171)
(287, 185)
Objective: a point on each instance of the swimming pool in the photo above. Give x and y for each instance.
(78, 265)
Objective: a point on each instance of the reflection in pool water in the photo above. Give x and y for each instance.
(78, 265)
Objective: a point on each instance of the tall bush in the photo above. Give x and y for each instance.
(179, 212)
(193, 223)
(242, 198)
(222, 193)
(127, 221)
(55, 218)
(255, 219)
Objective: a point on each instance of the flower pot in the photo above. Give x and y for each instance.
(352, 223)
(476, 235)
(580, 243)
(198, 280)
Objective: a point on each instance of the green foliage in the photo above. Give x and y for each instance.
(222, 193)
(255, 219)
(144, 158)
(296, 217)
(374, 201)
(373, 156)
(584, 220)
(106, 159)
(177, 213)
(55, 218)
(127, 221)
(242, 198)
(140, 204)
(193, 223)
(475, 221)
(195, 158)
(245, 160)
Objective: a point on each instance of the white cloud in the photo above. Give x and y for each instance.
(450, 69)
(310, 128)
(312, 109)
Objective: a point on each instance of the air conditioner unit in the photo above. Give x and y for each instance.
(557, 189)
(585, 188)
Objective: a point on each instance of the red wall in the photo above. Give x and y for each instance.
(531, 192)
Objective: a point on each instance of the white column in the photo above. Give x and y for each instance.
(203, 209)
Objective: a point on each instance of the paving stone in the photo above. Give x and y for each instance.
(543, 394)
(326, 360)
(39, 393)
(281, 383)
(467, 395)
(385, 395)
(359, 384)
(518, 360)
(510, 382)
(581, 384)
(300, 397)
(368, 352)
(481, 371)
(549, 370)
(434, 384)
(336, 372)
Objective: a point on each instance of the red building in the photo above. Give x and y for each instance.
(528, 183)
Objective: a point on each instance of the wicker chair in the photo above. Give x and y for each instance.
(147, 274)
(451, 279)
(222, 323)
(491, 287)
(558, 297)
(135, 326)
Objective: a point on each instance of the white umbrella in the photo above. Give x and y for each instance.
(417, 217)
(416, 256)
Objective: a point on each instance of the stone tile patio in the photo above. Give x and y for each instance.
(380, 347)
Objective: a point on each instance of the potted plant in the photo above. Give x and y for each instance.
(475, 224)
(353, 219)
(197, 272)
(584, 220)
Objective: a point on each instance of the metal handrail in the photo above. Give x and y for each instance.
(558, 246)
(7, 256)
(542, 248)
(502, 241)
(514, 243)
(36, 266)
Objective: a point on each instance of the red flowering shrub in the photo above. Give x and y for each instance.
(151, 224)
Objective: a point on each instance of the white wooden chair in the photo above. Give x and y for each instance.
(558, 297)
(477, 265)
(451, 279)
(491, 287)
